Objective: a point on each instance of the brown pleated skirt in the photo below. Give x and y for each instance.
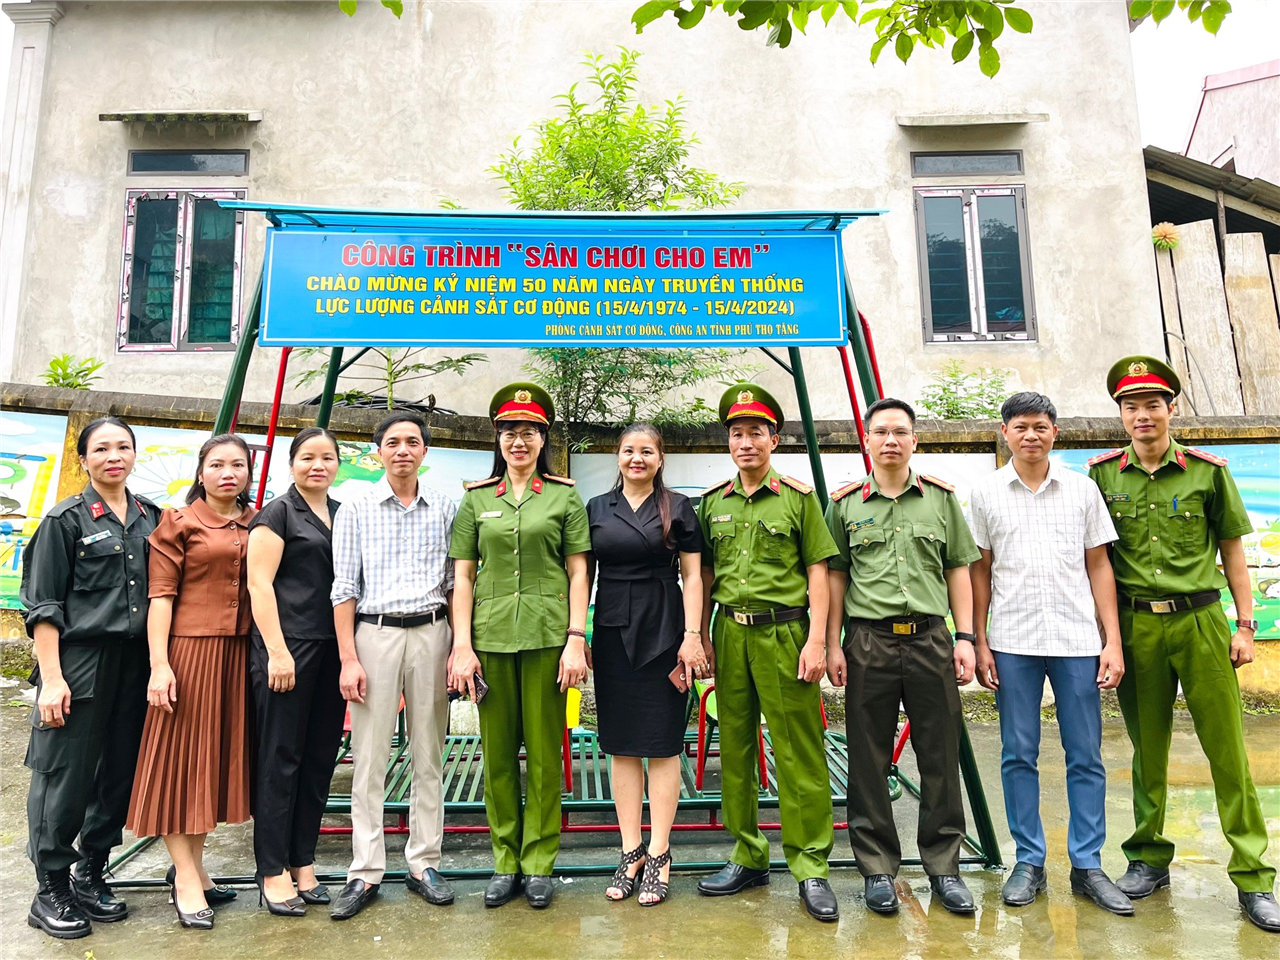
(194, 765)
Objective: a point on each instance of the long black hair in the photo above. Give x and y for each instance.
(196, 491)
(308, 434)
(82, 441)
(544, 455)
(661, 495)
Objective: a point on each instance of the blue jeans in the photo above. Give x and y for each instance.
(1075, 690)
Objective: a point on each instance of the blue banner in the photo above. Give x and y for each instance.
(569, 288)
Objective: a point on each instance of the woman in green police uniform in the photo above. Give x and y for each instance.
(519, 545)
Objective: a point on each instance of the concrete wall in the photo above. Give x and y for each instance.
(375, 111)
(1248, 115)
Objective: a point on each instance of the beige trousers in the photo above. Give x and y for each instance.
(410, 661)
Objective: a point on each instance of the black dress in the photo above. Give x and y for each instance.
(639, 623)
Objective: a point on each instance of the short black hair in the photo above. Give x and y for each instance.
(395, 418)
(773, 427)
(889, 403)
(82, 441)
(1028, 403)
(308, 434)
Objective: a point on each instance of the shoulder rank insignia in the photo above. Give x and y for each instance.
(716, 486)
(774, 484)
(96, 510)
(847, 489)
(1207, 456)
(937, 483)
(565, 480)
(477, 484)
(1104, 457)
(795, 484)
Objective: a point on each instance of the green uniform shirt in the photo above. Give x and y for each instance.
(1169, 522)
(896, 549)
(760, 546)
(522, 588)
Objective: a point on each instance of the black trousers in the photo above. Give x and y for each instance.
(82, 772)
(884, 669)
(298, 734)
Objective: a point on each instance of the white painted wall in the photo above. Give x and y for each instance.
(375, 111)
(1246, 115)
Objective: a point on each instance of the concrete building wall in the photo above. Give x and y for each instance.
(376, 111)
(1245, 116)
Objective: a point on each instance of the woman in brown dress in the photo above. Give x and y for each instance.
(194, 767)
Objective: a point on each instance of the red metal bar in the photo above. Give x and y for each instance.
(853, 401)
(901, 741)
(871, 351)
(271, 426)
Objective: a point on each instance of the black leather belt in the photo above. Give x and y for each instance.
(749, 619)
(417, 620)
(907, 626)
(1174, 604)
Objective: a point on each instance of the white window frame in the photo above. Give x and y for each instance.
(182, 273)
(973, 260)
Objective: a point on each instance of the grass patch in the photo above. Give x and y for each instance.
(17, 659)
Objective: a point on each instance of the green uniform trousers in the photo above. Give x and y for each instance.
(524, 706)
(1191, 647)
(756, 672)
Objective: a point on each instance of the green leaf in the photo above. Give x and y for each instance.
(648, 12)
(348, 7)
(961, 48)
(989, 61)
(993, 20)
(877, 47)
(800, 16)
(1161, 9)
(1139, 8)
(1213, 16)
(689, 19)
(1193, 12)
(829, 10)
(903, 47)
(869, 15)
(754, 14)
(1019, 20)
(851, 9)
(395, 6)
(780, 35)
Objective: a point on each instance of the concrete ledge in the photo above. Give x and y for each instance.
(969, 119)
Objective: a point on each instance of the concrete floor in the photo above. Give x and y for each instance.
(1198, 917)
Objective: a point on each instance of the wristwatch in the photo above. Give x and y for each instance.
(961, 635)
(1247, 625)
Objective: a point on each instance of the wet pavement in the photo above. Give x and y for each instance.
(1198, 917)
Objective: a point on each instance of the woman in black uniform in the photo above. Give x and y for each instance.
(84, 585)
(644, 537)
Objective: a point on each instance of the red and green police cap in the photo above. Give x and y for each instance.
(522, 401)
(1139, 374)
(750, 400)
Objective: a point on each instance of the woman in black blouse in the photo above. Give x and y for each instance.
(294, 668)
(644, 537)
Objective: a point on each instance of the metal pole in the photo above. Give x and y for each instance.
(990, 846)
(265, 472)
(810, 434)
(230, 405)
(858, 344)
(330, 385)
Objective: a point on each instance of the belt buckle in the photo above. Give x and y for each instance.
(907, 628)
(1162, 606)
(742, 617)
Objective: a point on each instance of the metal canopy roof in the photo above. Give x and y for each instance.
(355, 219)
(1256, 190)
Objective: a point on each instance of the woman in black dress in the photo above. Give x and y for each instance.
(645, 540)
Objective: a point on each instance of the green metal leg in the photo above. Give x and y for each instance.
(810, 435)
(989, 847)
(240, 365)
(330, 385)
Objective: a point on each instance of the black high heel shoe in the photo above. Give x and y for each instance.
(293, 907)
(202, 919)
(212, 895)
(319, 894)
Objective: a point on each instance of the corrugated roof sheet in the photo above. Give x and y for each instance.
(1256, 190)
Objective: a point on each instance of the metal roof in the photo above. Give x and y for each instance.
(302, 216)
(1256, 190)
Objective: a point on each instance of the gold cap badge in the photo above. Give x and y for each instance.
(1137, 369)
(523, 396)
(746, 396)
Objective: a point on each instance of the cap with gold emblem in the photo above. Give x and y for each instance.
(750, 400)
(1142, 375)
(522, 401)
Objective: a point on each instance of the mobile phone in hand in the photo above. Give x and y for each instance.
(676, 676)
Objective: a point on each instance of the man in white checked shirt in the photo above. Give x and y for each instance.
(1046, 578)
(392, 581)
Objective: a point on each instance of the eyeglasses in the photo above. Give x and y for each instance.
(526, 436)
(901, 433)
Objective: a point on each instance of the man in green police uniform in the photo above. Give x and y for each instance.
(765, 563)
(1175, 509)
(903, 536)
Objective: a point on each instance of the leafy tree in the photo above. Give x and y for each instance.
(960, 25)
(611, 152)
(390, 369)
(955, 394)
(68, 370)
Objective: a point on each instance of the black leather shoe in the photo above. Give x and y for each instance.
(819, 900)
(1023, 884)
(56, 911)
(432, 888)
(316, 896)
(291, 907)
(202, 919)
(90, 888)
(1097, 886)
(212, 895)
(880, 895)
(1142, 880)
(502, 887)
(1261, 908)
(539, 891)
(355, 896)
(730, 879)
(950, 889)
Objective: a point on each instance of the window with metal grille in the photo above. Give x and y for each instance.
(180, 279)
(975, 271)
(203, 163)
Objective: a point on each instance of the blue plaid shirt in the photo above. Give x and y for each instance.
(391, 558)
